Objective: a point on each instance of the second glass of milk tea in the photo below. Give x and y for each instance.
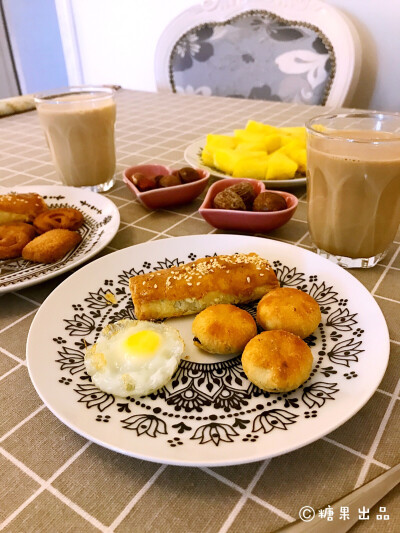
(353, 186)
(78, 123)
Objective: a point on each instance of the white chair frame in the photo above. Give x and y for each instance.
(329, 20)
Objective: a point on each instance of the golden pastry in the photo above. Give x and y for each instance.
(277, 361)
(223, 329)
(51, 246)
(13, 238)
(190, 288)
(60, 218)
(289, 309)
(20, 207)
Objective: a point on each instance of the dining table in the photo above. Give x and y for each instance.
(56, 480)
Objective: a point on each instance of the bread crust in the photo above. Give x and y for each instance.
(24, 207)
(277, 361)
(190, 288)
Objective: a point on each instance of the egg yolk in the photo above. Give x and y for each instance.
(143, 343)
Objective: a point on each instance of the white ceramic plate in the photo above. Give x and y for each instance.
(100, 225)
(209, 413)
(192, 156)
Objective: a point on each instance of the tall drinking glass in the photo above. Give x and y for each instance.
(78, 123)
(353, 186)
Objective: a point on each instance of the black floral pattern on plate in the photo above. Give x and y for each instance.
(211, 404)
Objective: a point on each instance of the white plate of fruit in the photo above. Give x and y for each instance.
(276, 156)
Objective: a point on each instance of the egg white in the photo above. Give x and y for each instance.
(134, 357)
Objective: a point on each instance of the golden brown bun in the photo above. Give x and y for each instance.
(190, 288)
(20, 207)
(289, 309)
(60, 218)
(51, 246)
(223, 329)
(13, 238)
(277, 361)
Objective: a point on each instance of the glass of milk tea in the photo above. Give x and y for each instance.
(78, 123)
(353, 186)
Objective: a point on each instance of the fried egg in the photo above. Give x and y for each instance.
(134, 357)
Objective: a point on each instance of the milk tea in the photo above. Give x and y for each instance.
(353, 192)
(80, 135)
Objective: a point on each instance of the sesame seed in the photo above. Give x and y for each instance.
(155, 285)
(248, 279)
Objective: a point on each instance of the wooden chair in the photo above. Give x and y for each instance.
(302, 51)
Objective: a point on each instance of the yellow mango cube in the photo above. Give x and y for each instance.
(225, 158)
(298, 132)
(221, 141)
(250, 167)
(251, 147)
(253, 126)
(248, 136)
(207, 156)
(297, 153)
(280, 167)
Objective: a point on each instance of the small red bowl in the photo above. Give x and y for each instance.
(248, 221)
(168, 196)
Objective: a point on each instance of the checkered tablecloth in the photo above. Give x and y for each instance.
(55, 481)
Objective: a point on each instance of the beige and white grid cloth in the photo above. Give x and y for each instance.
(53, 480)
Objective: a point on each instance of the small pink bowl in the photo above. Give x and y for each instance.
(168, 196)
(248, 221)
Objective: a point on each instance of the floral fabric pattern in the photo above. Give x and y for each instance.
(255, 56)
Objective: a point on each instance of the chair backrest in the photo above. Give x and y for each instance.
(303, 51)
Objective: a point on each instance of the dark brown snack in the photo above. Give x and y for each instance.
(51, 246)
(168, 181)
(246, 193)
(22, 207)
(142, 182)
(13, 238)
(61, 218)
(187, 174)
(228, 199)
(269, 201)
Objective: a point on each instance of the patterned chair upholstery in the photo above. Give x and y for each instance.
(254, 55)
(257, 54)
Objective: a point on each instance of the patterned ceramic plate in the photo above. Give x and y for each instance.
(209, 413)
(192, 156)
(100, 226)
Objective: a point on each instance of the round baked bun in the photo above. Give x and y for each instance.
(289, 309)
(223, 329)
(277, 361)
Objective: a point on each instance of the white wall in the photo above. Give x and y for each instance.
(117, 41)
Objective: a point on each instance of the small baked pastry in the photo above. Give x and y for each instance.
(51, 246)
(22, 207)
(277, 361)
(190, 288)
(60, 218)
(289, 309)
(13, 238)
(223, 329)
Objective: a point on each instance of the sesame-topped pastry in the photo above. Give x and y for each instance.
(190, 288)
(24, 207)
